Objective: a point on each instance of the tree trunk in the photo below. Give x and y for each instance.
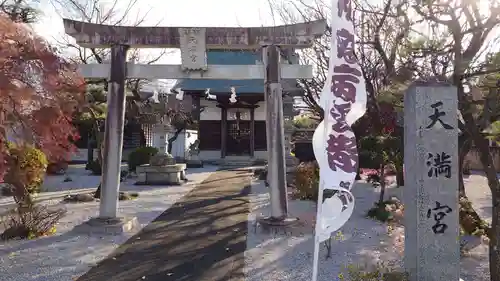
(358, 169)
(400, 179)
(485, 155)
(90, 148)
(172, 139)
(97, 193)
(469, 218)
(382, 186)
(465, 145)
(494, 257)
(482, 145)
(400, 176)
(95, 125)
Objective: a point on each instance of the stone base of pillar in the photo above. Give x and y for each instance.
(277, 225)
(105, 226)
(278, 222)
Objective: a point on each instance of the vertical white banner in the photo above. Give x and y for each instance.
(344, 101)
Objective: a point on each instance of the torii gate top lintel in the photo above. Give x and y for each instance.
(92, 35)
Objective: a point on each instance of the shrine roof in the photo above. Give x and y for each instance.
(240, 57)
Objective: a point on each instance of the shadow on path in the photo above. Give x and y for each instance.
(200, 238)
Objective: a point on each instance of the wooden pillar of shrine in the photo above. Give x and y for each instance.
(223, 128)
(195, 111)
(252, 132)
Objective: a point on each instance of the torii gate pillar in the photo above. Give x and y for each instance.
(113, 133)
(276, 174)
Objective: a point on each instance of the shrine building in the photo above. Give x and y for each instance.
(232, 130)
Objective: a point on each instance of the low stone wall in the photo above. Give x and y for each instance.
(80, 156)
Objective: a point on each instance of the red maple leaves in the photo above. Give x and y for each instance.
(39, 92)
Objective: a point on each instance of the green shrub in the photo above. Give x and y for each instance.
(369, 153)
(470, 222)
(307, 181)
(380, 213)
(26, 168)
(388, 211)
(305, 122)
(30, 223)
(94, 166)
(140, 156)
(367, 160)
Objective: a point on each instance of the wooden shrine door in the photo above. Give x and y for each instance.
(238, 132)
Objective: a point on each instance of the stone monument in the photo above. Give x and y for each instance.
(431, 176)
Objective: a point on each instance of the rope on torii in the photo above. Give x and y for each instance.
(180, 94)
(232, 98)
(208, 96)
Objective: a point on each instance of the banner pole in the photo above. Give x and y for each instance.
(315, 260)
(317, 231)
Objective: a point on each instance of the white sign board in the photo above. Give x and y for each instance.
(193, 48)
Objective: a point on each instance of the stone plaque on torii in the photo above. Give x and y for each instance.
(194, 42)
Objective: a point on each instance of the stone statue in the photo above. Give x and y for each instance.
(194, 158)
(194, 149)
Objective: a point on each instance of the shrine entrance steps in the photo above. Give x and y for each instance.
(200, 238)
(237, 161)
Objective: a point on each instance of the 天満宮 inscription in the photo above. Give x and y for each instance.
(193, 47)
(436, 116)
(439, 164)
(439, 212)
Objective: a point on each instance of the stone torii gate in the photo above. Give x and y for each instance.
(193, 42)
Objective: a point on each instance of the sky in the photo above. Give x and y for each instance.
(179, 13)
(222, 13)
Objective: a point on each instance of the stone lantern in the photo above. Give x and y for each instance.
(162, 168)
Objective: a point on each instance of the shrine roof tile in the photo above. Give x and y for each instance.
(243, 57)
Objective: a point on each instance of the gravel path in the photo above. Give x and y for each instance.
(361, 241)
(66, 256)
(268, 257)
(476, 187)
(289, 257)
(201, 238)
